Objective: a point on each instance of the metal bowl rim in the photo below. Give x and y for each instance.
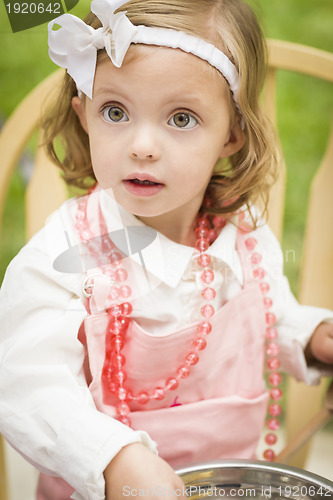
(256, 465)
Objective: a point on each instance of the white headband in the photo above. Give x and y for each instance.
(74, 46)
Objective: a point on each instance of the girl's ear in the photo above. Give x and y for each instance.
(79, 107)
(235, 142)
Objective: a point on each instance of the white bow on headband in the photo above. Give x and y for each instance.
(74, 46)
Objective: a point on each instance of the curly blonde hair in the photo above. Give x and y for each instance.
(246, 177)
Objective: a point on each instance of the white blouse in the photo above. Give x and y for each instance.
(46, 410)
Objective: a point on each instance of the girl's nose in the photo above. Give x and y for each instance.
(144, 145)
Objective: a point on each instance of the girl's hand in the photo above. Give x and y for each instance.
(137, 471)
(320, 346)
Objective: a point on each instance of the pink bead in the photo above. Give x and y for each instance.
(207, 276)
(274, 410)
(192, 359)
(80, 226)
(204, 260)
(204, 327)
(120, 377)
(86, 235)
(207, 311)
(203, 222)
(271, 333)
(209, 293)
(171, 384)
(270, 318)
(199, 344)
(251, 243)
(264, 287)
(115, 311)
(275, 379)
(270, 439)
(256, 258)
(122, 409)
(272, 349)
(125, 291)
(122, 394)
(259, 273)
(201, 232)
(108, 246)
(115, 257)
(241, 216)
(158, 393)
(125, 420)
(126, 308)
(273, 424)
(114, 293)
(142, 398)
(124, 322)
(117, 343)
(269, 455)
(202, 245)
(121, 274)
(212, 235)
(218, 221)
(116, 327)
(80, 215)
(276, 394)
(273, 364)
(183, 372)
(118, 360)
(94, 246)
(267, 301)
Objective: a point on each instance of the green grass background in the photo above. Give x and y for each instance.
(304, 108)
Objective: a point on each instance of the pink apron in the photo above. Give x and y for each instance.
(219, 410)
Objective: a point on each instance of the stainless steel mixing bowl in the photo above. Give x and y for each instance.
(240, 479)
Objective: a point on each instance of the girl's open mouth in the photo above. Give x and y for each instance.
(143, 187)
(144, 183)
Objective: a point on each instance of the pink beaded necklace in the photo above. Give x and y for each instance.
(114, 375)
(271, 349)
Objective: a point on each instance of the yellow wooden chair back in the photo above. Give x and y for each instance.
(316, 283)
(46, 191)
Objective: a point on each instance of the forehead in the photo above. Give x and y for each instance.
(163, 68)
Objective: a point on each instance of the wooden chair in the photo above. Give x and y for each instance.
(316, 283)
(46, 191)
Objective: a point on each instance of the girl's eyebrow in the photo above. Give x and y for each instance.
(190, 99)
(108, 90)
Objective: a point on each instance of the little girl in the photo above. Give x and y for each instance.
(139, 318)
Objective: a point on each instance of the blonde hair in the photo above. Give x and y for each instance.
(233, 28)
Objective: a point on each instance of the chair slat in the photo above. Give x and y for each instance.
(18, 129)
(301, 59)
(316, 286)
(41, 201)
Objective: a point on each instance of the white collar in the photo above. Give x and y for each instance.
(164, 253)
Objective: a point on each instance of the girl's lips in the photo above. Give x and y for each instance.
(144, 187)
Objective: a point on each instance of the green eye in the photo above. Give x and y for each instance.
(114, 114)
(183, 120)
